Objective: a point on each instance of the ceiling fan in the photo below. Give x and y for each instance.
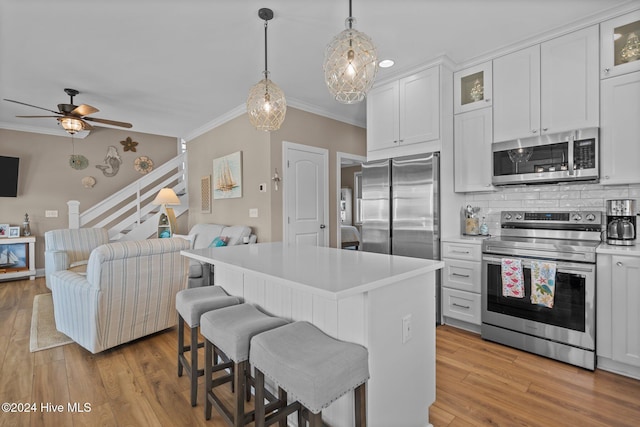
(73, 118)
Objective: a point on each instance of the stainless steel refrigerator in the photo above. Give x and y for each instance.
(401, 208)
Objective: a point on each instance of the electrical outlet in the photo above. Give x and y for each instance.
(407, 331)
(253, 213)
(51, 214)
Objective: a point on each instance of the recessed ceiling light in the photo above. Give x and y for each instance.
(386, 63)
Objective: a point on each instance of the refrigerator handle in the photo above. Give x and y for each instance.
(435, 202)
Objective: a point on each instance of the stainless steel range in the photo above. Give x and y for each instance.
(548, 306)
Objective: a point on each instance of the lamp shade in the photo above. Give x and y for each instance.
(166, 196)
(71, 124)
(350, 65)
(266, 105)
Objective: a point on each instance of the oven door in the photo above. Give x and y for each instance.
(570, 321)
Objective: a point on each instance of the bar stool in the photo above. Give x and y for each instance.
(191, 304)
(230, 330)
(312, 367)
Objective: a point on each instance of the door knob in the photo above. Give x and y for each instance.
(323, 226)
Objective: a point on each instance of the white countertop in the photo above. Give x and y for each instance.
(333, 273)
(618, 250)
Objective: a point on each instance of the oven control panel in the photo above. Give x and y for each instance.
(571, 217)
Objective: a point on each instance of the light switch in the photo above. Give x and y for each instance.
(253, 213)
(51, 214)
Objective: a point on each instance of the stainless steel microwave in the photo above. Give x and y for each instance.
(559, 157)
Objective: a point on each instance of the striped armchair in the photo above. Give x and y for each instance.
(129, 291)
(69, 249)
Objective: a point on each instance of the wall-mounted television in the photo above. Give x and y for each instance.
(9, 176)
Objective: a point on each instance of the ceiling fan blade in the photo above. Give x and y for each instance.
(84, 110)
(34, 106)
(37, 117)
(109, 122)
(87, 126)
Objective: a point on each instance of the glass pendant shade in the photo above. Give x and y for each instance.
(71, 125)
(266, 105)
(350, 65)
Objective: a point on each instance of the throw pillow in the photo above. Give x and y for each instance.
(219, 241)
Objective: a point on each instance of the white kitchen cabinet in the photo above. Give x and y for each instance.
(461, 283)
(472, 151)
(547, 88)
(619, 147)
(618, 320)
(516, 94)
(472, 88)
(405, 111)
(618, 36)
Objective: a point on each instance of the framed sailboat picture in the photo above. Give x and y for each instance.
(227, 176)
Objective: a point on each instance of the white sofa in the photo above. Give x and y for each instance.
(201, 236)
(128, 292)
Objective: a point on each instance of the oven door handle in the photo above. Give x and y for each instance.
(566, 268)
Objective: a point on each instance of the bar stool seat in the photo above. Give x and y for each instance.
(191, 304)
(312, 367)
(230, 330)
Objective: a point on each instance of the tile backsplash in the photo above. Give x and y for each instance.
(556, 197)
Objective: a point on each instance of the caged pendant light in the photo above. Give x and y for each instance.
(350, 64)
(266, 105)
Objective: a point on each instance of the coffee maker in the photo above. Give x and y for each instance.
(621, 222)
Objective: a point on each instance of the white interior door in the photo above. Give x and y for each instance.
(306, 201)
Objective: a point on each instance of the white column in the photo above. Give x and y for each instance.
(74, 213)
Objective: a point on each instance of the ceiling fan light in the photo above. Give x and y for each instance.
(266, 105)
(350, 65)
(71, 124)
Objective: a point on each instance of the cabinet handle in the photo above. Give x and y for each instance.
(545, 129)
(395, 141)
(460, 275)
(534, 130)
(606, 70)
(460, 252)
(402, 140)
(619, 264)
(461, 306)
(488, 100)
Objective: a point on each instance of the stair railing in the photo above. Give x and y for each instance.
(129, 214)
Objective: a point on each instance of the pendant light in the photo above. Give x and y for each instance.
(350, 64)
(266, 105)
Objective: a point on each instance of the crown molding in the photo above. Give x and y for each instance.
(593, 19)
(314, 109)
(44, 131)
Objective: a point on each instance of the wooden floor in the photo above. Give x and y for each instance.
(478, 383)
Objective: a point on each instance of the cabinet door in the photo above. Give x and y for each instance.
(626, 316)
(619, 147)
(472, 151)
(516, 95)
(617, 38)
(420, 107)
(472, 88)
(383, 117)
(570, 81)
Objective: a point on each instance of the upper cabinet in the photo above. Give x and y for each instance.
(472, 88)
(404, 112)
(620, 45)
(547, 88)
(619, 147)
(472, 151)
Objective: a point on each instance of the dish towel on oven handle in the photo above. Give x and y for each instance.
(543, 283)
(512, 279)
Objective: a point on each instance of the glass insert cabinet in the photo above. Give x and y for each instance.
(472, 88)
(17, 258)
(620, 45)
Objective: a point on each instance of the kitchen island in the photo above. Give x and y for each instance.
(386, 303)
